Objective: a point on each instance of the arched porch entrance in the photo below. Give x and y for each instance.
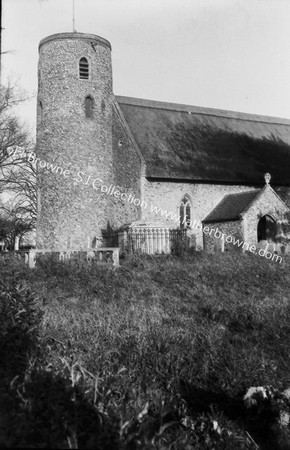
(267, 229)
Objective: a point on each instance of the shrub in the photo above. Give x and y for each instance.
(20, 321)
(159, 351)
(179, 245)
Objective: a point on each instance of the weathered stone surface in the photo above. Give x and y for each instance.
(127, 175)
(97, 180)
(230, 229)
(70, 208)
(266, 203)
(168, 195)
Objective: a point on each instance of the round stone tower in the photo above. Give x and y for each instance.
(74, 139)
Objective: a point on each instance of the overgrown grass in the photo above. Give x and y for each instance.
(155, 354)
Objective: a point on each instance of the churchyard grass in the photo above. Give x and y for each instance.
(156, 354)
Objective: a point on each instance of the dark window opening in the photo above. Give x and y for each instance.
(267, 229)
(84, 69)
(185, 213)
(89, 107)
(39, 112)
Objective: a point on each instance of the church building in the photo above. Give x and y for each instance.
(129, 163)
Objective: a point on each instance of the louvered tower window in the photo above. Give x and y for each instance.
(84, 69)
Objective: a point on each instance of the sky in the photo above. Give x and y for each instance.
(227, 54)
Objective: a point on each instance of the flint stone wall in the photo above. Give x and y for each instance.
(70, 209)
(168, 195)
(234, 229)
(268, 203)
(126, 175)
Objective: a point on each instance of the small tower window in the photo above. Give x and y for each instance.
(39, 112)
(84, 69)
(89, 107)
(185, 212)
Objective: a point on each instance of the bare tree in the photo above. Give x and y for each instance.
(13, 225)
(21, 184)
(17, 174)
(13, 135)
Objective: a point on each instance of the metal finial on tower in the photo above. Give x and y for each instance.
(267, 177)
(74, 21)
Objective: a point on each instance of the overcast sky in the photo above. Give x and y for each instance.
(228, 54)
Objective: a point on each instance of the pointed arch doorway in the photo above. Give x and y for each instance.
(267, 229)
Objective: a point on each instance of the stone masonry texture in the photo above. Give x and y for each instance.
(203, 197)
(267, 203)
(233, 228)
(126, 173)
(98, 153)
(70, 209)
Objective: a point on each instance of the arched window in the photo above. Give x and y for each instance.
(185, 212)
(267, 229)
(84, 69)
(89, 107)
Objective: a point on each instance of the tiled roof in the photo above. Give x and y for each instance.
(209, 145)
(231, 206)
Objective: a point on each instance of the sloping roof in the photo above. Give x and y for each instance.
(231, 206)
(204, 144)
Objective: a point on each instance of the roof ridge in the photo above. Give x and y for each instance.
(243, 193)
(191, 109)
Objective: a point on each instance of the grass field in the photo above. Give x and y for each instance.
(156, 354)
